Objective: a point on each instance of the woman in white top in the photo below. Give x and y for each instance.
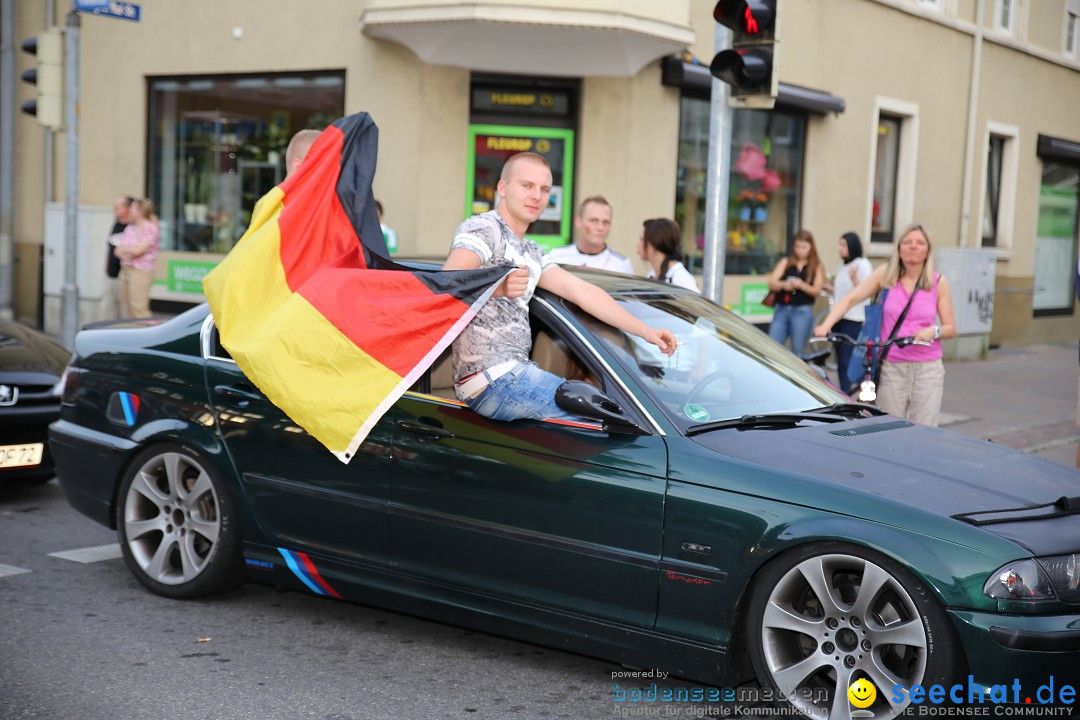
(660, 245)
(854, 269)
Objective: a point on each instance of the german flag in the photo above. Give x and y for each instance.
(314, 313)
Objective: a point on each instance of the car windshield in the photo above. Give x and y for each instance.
(723, 368)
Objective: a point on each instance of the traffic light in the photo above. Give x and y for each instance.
(749, 67)
(47, 76)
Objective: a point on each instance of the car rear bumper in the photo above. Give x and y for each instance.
(88, 467)
(1030, 648)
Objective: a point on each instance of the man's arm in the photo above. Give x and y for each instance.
(600, 305)
(513, 286)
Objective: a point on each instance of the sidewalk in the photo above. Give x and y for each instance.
(1024, 398)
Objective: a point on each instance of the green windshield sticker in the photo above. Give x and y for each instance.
(696, 412)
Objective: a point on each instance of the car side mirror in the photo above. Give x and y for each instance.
(582, 399)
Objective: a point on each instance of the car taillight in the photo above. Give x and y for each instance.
(68, 385)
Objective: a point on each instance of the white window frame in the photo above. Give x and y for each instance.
(1072, 12)
(930, 4)
(1010, 160)
(1010, 28)
(904, 211)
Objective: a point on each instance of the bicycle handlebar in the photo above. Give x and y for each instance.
(900, 341)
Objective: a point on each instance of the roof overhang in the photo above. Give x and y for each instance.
(528, 39)
(697, 80)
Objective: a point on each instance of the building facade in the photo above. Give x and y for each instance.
(961, 115)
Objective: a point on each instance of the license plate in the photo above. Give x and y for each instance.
(21, 455)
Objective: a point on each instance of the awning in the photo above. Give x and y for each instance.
(1052, 148)
(531, 39)
(697, 80)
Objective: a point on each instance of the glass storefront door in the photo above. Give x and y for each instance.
(490, 146)
(1055, 245)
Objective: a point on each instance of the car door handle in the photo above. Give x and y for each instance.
(244, 395)
(425, 430)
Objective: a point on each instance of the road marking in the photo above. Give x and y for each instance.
(6, 570)
(90, 554)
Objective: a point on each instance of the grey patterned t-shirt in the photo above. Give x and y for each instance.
(500, 331)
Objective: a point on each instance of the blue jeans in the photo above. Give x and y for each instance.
(524, 393)
(850, 328)
(795, 321)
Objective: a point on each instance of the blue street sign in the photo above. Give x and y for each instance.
(111, 8)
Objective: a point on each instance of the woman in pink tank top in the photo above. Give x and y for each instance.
(912, 377)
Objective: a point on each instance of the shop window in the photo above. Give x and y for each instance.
(217, 145)
(764, 186)
(1056, 238)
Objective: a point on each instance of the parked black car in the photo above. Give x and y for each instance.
(31, 366)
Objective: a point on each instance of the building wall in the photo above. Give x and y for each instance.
(865, 51)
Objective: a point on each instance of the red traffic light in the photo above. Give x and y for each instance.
(755, 18)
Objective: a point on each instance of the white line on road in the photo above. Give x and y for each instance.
(6, 570)
(90, 554)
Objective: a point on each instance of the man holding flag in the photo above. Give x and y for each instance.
(492, 371)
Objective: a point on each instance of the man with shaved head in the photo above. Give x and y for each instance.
(492, 371)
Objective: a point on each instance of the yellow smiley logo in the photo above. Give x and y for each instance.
(862, 693)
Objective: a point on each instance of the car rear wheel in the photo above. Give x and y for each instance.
(178, 531)
(825, 616)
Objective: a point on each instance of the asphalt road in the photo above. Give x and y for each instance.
(85, 641)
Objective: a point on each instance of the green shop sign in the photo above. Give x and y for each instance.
(186, 276)
(751, 297)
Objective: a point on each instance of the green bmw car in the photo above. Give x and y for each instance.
(723, 514)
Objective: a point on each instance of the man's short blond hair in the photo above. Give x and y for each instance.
(592, 199)
(520, 157)
(299, 146)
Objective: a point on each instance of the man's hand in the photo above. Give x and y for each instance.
(515, 284)
(663, 339)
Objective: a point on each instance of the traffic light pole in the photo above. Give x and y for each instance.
(719, 169)
(69, 294)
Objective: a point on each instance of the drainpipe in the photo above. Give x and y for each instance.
(969, 145)
(7, 162)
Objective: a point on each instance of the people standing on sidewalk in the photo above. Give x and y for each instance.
(913, 377)
(138, 251)
(797, 279)
(111, 303)
(659, 245)
(593, 223)
(854, 268)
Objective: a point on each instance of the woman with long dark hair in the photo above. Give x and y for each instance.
(797, 280)
(854, 268)
(660, 245)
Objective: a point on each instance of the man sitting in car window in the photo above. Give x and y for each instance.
(492, 371)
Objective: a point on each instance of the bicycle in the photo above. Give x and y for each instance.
(868, 387)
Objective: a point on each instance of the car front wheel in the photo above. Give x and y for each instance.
(824, 617)
(177, 528)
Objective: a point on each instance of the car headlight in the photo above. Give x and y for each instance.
(1048, 578)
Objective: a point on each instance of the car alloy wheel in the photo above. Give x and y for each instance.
(821, 620)
(176, 525)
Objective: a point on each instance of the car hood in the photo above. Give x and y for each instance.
(928, 468)
(24, 351)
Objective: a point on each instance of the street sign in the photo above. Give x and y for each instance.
(111, 8)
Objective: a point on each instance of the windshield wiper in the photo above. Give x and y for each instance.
(786, 419)
(849, 408)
